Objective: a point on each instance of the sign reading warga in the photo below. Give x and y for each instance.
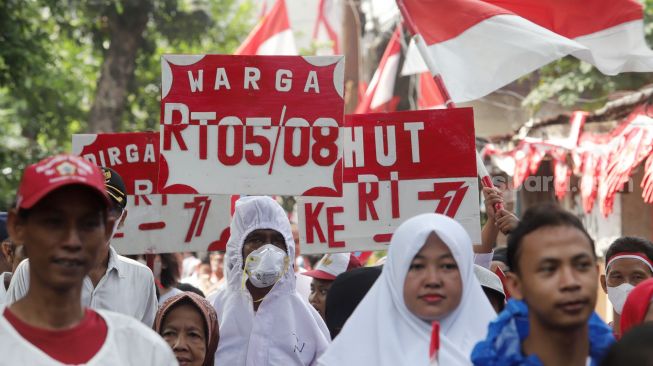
(133, 155)
(251, 124)
(155, 223)
(396, 165)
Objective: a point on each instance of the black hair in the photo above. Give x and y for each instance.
(346, 292)
(189, 288)
(634, 348)
(169, 270)
(544, 215)
(632, 244)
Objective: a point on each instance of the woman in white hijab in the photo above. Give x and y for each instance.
(428, 275)
(263, 321)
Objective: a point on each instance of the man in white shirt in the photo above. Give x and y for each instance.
(62, 220)
(115, 283)
(14, 255)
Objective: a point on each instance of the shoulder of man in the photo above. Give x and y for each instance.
(132, 265)
(130, 335)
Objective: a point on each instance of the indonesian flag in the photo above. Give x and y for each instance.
(379, 96)
(428, 93)
(328, 25)
(272, 35)
(480, 46)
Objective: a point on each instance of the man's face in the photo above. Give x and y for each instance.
(626, 270)
(63, 235)
(317, 298)
(556, 276)
(259, 238)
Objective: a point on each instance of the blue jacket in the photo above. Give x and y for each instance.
(502, 347)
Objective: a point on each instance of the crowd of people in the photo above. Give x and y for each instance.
(69, 298)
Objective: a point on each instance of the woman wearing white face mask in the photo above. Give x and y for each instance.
(427, 276)
(262, 319)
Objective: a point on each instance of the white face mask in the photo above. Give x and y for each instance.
(265, 266)
(618, 295)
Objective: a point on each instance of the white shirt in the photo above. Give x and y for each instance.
(173, 291)
(127, 288)
(3, 290)
(128, 342)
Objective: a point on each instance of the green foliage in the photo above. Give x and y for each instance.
(51, 53)
(572, 82)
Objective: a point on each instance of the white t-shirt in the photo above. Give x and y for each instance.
(173, 291)
(128, 342)
(3, 290)
(126, 288)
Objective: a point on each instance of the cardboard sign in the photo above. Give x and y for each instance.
(155, 223)
(133, 155)
(251, 124)
(174, 223)
(396, 166)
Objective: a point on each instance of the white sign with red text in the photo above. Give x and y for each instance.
(396, 165)
(155, 223)
(167, 223)
(251, 124)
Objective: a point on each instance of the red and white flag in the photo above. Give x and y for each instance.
(272, 35)
(379, 96)
(479, 46)
(328, 25)
(429, 95)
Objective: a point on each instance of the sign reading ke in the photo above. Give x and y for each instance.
(155, 223)
(396, 165)
(251, 124)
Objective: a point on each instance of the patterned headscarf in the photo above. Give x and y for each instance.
(208, 313)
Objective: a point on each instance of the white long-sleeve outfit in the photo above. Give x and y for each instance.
(126, 288)
(128, 343)
(383, 332)
(286, 330)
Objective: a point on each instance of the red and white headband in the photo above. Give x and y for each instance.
(631, 255)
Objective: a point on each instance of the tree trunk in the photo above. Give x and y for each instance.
(126, 37)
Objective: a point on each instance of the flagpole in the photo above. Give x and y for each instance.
(481, 171)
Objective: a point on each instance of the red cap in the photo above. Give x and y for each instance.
(331, 265)
(55, 172)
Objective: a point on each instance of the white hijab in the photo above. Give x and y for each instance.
(285, 330)
(382, 331)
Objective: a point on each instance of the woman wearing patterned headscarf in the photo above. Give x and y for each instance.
(190, 326)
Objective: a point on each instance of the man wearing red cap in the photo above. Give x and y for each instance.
(113, 278)
(61, 219)
(326, 271)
